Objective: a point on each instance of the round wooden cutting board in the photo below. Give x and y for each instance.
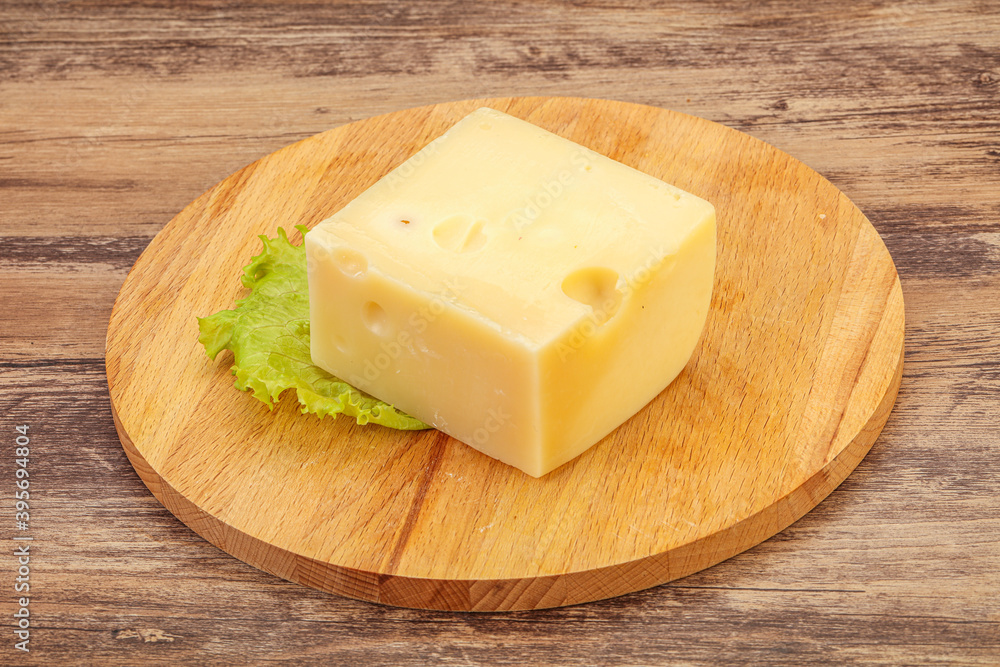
(792, 381)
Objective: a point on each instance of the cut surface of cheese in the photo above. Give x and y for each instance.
(518, 291)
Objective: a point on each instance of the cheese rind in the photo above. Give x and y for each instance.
(516, 290)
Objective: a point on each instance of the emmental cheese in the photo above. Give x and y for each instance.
(518, 291)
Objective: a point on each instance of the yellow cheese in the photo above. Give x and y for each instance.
(518, 291)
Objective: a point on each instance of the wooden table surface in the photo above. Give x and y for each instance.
(113, 118)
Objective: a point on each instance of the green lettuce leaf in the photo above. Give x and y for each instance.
(268, 334)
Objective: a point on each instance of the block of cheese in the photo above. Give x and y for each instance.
(520, 292)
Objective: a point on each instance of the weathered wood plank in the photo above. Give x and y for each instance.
(124, 166)
(155, 124)
(55, 316)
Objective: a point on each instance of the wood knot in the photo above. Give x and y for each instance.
(145, 635)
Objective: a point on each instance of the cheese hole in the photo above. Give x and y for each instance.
(375, 318)
(460, 233)
(596, 287)
(350, 262)
(340, 343)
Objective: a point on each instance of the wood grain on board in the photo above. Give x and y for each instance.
(114, 117)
